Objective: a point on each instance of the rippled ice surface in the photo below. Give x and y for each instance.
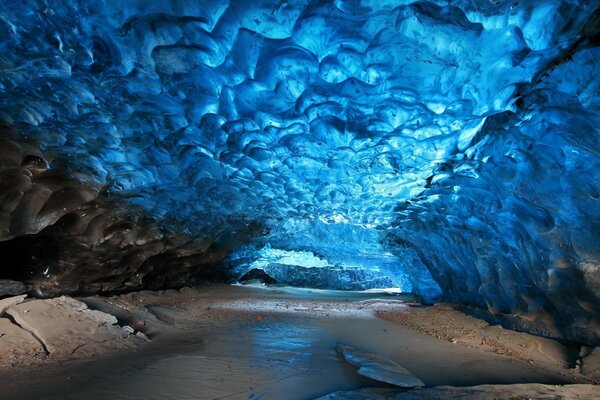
(460, 136)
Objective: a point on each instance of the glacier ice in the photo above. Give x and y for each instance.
(452, 146)
(305, 269)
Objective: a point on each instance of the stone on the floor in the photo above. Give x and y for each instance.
(16, 343)
(379, 368)
(131, 310)
(64, 326)
(126, 330)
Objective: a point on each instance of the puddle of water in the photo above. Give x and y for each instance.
(274, 359)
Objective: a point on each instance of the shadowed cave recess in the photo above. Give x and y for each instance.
(447, 148)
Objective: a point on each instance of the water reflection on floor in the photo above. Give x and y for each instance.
(270, 346)
(270, 359)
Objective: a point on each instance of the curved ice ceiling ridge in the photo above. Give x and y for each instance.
(295, 109)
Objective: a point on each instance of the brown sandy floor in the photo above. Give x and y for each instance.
(445, 322)
(246, 343)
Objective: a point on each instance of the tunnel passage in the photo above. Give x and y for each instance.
(449, 148)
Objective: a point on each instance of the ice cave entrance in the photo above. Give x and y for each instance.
(306, 269)
(325, 253)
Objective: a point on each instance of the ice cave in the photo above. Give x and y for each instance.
(441, 151)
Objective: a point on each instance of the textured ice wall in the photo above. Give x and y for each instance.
(464, 132)
(65, 235)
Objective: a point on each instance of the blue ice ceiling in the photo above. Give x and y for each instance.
(457, 138)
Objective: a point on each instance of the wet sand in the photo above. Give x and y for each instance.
(228, 342)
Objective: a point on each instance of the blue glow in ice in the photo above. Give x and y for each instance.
(304, 259)
(458, 139)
